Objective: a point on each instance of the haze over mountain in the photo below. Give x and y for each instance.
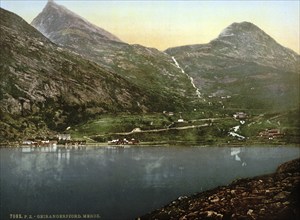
(245, 63)
(152, 70)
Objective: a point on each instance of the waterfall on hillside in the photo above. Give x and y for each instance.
(191, 79)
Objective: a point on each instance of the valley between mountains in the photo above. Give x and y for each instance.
(62, 74)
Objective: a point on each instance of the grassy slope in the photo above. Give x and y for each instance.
(111, 127)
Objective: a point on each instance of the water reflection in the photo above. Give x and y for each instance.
(26, 149)
(63, 154)
(122, 183)
(235, 152)
(29, 149)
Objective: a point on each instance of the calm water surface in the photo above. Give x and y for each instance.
(122, 183)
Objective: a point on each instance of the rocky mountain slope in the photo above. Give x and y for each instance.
(246, 64)
(273, 196)
(152, 70)
(44, 87)
(64, 22)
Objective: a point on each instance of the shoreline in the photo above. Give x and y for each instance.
(157, 144)
(270, 196)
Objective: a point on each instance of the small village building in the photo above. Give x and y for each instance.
(64, 137)
(240, 115)
(168, 113)
(136, 130)
(133, 141)
(27, 142)
(124, 141)
(271, 133)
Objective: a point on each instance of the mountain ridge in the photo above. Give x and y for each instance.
(244, 63)
(148, 68)
(63, 12)
(248, 42)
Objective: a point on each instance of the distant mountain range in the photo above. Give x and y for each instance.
(67, 71)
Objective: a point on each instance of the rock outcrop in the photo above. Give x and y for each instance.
(273, 196)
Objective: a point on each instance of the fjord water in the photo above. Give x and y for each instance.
(122, 183)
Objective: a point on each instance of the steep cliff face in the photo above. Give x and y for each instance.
(245, 63)
(44, 87)
(152, 70)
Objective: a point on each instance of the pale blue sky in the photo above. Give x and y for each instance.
(164, 24)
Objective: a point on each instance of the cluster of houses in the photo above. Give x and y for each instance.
(123, 141)
(39, 143)
(59, 139)
(271, 134)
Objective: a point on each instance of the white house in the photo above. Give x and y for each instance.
(64, 137)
